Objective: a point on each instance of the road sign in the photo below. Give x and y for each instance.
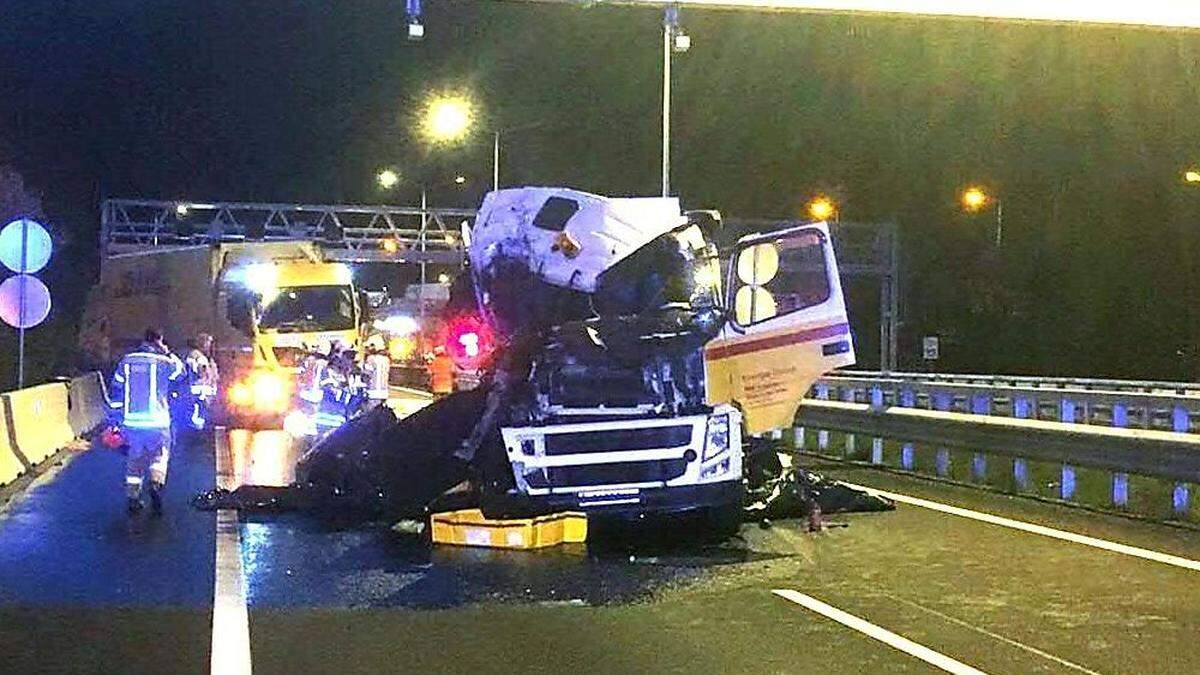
(929, 348)
(35, 307)
(27, 234)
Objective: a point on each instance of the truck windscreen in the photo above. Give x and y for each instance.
(304, 309)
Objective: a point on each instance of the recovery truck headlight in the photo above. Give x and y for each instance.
(716, 437)
(270, 391)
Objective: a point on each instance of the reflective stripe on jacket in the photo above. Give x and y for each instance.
(141, 387)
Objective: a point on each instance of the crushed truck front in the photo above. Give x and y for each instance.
(629, 376)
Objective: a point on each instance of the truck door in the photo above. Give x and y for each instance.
(785, 325)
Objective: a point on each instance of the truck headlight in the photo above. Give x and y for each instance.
(716, 437)
(270, 391)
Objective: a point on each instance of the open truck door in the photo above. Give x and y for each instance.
(785, 325)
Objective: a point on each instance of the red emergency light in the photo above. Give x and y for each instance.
(468, 341)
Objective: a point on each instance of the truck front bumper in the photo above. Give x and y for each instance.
(630, 502)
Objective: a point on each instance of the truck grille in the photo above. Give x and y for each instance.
(607, 474)
(289, 357)
(651, 438)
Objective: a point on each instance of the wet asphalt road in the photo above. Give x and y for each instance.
(83, 588)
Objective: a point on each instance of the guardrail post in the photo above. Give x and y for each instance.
(850, 445)
(941, 400)
(1067, 488)
(1021, 473)
(1020, 407)
(908, 398)
(876, 396)
(798, 437)
(981, 404)
(1179, 420)
(1120, 415)
(942, 463)
(1180, 499)
(978, 466)
(906, 457)
(823, 434)
(877, 451)
(1066, 410)
(1120, 490)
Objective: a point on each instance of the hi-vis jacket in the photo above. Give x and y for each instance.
(141, 387)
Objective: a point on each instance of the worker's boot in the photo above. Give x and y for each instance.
(132, 505)
(156, 506)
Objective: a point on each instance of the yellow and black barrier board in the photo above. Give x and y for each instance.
(469, 527)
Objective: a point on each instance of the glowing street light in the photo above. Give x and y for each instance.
(447, 119)
(387, 179)
(974, 198)
(181, 210)
(460, 179)
(822, 208)
(390, 246)
(1191, 176)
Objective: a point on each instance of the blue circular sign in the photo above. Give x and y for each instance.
(36, 305)
(36, 242)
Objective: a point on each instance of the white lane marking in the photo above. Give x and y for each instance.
(1123, 549)
(882, 634)
(231, 619)
(995, 636)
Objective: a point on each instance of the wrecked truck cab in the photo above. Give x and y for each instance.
(635, 374)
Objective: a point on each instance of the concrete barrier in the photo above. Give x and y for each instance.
(87, 404)
(11, 465)
(39, 420)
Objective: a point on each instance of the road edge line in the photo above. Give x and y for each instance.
(1032, 528)
(897, 642)
(230, 650)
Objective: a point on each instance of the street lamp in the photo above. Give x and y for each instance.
(974, 199)
(387, 179)
(447, 118)
(821, 208)
(1191, 176)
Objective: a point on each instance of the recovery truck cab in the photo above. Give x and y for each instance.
(290, 306)
(263, 302)
(630, 376)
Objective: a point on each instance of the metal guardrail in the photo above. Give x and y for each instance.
(1089, 383)
(1173, 406)
(1161, 454)
(1089, 428)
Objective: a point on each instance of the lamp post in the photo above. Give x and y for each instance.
(674, 41)
(975, 199)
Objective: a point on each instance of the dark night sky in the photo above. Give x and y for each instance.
(1083, 130)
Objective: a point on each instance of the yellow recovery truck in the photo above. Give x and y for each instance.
(264, 303)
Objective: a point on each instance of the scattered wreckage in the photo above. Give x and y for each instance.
(622, 382)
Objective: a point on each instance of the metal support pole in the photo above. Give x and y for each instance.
(421, 291)
(668, 21)
(21, 305)
(496, 160)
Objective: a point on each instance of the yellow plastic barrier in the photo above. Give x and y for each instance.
(10, 464)
(40, 421)
(470, 528)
